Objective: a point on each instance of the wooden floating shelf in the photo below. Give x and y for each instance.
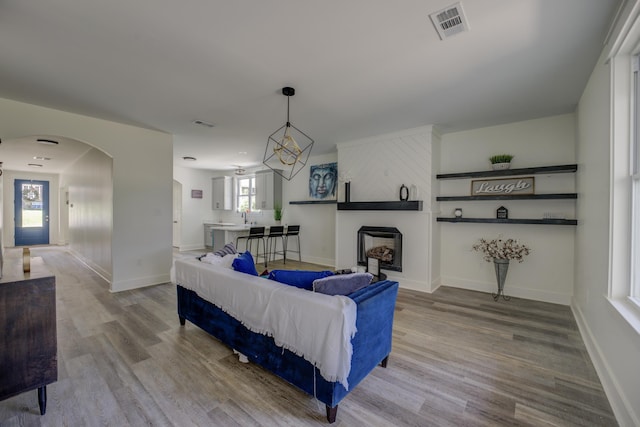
(511, 172)
(554, 196)
(313, 202)
(413, 205)
(511, 221)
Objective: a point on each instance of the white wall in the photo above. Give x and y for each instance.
(614, 346)
(195, 211)
(378, 166)
(547, 274)
(90, 210)
(142, 181)
(317, 222)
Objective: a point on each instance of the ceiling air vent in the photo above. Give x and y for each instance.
(450, 21)
(202, 123)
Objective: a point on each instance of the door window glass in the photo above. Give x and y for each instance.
(32, 206)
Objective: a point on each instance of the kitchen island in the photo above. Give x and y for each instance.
(217, 234)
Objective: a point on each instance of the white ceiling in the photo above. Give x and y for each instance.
(359, 67)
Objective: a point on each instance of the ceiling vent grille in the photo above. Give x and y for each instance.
(202, 123)
(450, 21)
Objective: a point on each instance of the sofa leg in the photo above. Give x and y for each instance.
(331, 413)
(182, 320)
(384, 362)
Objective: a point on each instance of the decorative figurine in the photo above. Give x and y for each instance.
(502, 213)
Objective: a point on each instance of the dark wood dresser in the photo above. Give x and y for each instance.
(28, 339)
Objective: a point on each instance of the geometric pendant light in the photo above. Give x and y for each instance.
(288, 148)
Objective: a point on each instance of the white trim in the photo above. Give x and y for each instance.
(620, 179)
(622, 408)
(628, 309)
(105, 275)
(624, 28)
(414, 285)
(313, 260)
(510, 289)
(141, 282)
(192, 247)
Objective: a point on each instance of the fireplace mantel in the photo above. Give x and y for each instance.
(413, 205)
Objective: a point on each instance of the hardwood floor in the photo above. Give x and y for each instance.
(459, 359)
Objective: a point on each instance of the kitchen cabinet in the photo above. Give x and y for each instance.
(268, 189)
(222, 193)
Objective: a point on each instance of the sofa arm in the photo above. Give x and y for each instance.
(372, 343)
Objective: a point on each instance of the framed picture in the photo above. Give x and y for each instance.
(196, 194)
(323, 180)
(373, 266)
(503, 186)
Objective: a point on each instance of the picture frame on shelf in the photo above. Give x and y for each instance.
(373, 266)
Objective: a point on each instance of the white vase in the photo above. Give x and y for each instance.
(500, 166)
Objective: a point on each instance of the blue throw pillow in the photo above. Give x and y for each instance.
(298, 278)
(342, 284)
(244, 264)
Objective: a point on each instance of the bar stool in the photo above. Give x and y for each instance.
(292, 231)
(255, 233)
(275, 232)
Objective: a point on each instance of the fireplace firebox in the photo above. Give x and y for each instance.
(383, 243)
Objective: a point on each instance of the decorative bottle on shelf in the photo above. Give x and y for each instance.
(404, 193)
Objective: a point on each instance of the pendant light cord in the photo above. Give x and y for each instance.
(288, 123)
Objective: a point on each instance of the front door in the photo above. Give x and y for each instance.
(31, 212)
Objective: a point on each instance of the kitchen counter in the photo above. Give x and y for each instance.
(217, 234)
(235, 227)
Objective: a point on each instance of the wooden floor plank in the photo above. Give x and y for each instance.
(458, 359)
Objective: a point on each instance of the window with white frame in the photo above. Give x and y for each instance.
(634, 168)
(246, 194)
(624, 163)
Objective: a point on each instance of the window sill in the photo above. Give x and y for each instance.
(629, 310)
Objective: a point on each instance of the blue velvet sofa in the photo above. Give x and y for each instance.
(371, 344)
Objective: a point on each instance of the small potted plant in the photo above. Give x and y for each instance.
(277, 213)
(501, 161)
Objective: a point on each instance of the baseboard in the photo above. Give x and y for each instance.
(104, 275)
(435, 284)
(532, 294)
(194, 247)
(141, 282)
(621, 407)
(329, 262)
(414, 285)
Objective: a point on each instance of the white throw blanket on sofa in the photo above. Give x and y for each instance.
(315, 326)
